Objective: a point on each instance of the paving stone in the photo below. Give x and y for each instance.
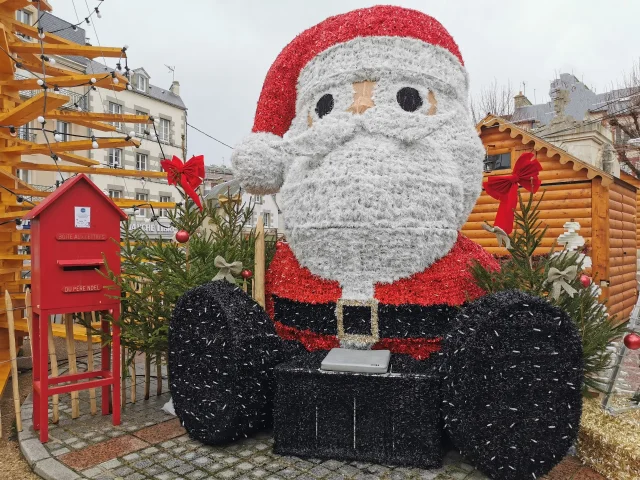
(54, 469)
(161, 432)
(226, 474)
(214, 467)
(78, 445)
(168, 444)
(319, 471)
(150, 450)
(166, 476)
(244, 466)
(33, 450)
(92, 472)
(184, 468)
(196, 474)
(154, 470)
(111, 464)
(142, 464)
(123, 471)
(172, 463)
(258, 473)
(135, 476)
(59, 451)
(230, 460)
(131, 457)
(274, 466)
(332, 464)
(349, 470)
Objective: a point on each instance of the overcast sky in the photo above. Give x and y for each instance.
(222, 50)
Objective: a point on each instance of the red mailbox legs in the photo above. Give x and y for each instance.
(43, 386)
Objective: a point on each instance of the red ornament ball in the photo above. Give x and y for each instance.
(585, 280)
(246, 274)
(632, 341)
(182, 236)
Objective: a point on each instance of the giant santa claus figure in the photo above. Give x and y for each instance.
(363, 126)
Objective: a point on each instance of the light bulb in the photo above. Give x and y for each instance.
(94, 142)
(126, 47)
(79, 108)
(41, 35)
(57, 137)
(98, 14)
(129, 86)
(41, 119)
(52, 61)
(40, 82)
(116, 81)
(12, 131)
(19, 227)
(132, 133)
(93, 80)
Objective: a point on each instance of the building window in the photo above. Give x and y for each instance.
(115, 193)
(258, 199)
(23, 16)
(163, 211)
(141, 84)
(24, 175)
(142, 161)
(24, 133)
(115, 157)
(115, 108)
(266, 216)
(63, 130)
(142, 198)
(163, 134)
(501, 161)
(139, 127)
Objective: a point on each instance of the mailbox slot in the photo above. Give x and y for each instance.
(83, 264)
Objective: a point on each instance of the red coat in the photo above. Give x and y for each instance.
(301, 304)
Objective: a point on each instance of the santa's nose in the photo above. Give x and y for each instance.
(362, 93)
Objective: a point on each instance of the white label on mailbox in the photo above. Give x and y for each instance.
(83, 217)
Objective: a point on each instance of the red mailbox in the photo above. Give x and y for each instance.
(72, 234)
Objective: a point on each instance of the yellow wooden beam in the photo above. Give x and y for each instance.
(69, 157)
(43, 148)
(73, 49)
(128, 203)
(13, 215)
(32, 108)
(30, 31)
(6, 64)
(72, 117)
(102, 80)
(103, 127)
(18, 4)
(33, 63)
(11, 176)
(28, 192)
(116, 172)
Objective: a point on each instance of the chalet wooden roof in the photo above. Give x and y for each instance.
(539, 144)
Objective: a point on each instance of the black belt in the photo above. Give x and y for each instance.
(394, 321)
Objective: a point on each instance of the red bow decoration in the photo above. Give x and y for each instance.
(188, 175)
(505, 188)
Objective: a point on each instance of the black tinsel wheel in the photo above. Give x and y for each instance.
(512, 378)
(222, 351)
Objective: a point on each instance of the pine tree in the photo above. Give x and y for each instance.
(156, 272)
(527, 272)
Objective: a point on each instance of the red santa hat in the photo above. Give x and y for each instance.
(255, 160)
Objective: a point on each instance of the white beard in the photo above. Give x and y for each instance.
(375, 208)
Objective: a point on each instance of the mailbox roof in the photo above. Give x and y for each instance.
(36, 211)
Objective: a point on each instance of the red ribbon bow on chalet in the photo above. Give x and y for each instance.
(188, 175)
(505, 188)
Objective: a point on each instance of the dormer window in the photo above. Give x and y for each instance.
(142, 83)
(23, 16)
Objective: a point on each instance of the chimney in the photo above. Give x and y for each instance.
(175, 88)
(521, 101)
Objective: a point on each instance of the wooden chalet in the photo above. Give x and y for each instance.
(605, 206)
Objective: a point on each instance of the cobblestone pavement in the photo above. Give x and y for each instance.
(151, 444)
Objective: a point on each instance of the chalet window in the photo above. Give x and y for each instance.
(63, 130)
(266, 216)
(24, 175)
(142, 161)
(115, 158)
(115, 193)
(258, 199)
(165, 126)
(501, 161)
(115, 108)
(139, 127)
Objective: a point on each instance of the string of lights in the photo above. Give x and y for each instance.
(87, 19)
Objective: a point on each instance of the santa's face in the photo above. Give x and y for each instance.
(383, 163)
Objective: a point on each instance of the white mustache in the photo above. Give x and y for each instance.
(340, 127)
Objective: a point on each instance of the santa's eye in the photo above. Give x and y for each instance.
(324, 105)
(409, 99)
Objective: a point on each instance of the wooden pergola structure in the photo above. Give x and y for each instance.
(21, 47)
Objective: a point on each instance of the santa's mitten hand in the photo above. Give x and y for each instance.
(259, 163)
(512, 376)
(222, 351)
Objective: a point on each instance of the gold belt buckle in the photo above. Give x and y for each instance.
(373, 305)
